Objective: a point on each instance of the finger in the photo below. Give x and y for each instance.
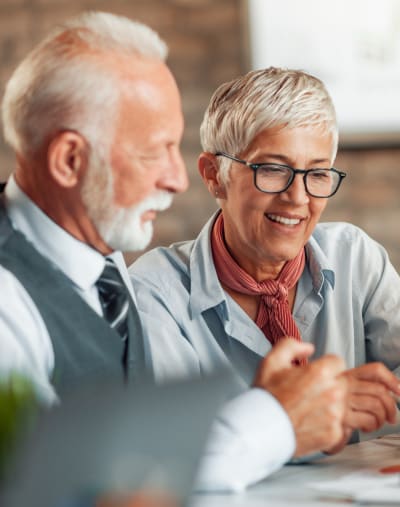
(367, 387)
(369, 405)
(376, 403)
(281, 358)
(363, 421)
(391, 408)
(375, 396)
(285, 352)
(377, 372)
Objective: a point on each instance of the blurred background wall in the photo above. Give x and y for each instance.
(208, 43)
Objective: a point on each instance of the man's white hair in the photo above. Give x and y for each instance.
(242, 108)
(66, 84)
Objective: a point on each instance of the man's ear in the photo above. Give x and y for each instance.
(67, 157)
(209, 171)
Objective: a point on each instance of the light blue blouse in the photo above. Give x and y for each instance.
(347, 303)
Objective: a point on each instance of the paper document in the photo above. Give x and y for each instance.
(363, 486)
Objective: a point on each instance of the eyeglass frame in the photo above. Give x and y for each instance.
(254, 167)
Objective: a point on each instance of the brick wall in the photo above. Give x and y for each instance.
(207, 47)
(370, 195)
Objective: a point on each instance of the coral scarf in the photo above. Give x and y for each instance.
(274, 316)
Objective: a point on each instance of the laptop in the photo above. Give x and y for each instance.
(103, 438)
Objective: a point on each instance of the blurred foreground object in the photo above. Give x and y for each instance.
(141, 499)
(106, 440)
(17, 406)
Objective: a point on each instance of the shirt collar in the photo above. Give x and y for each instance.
(205, 289)
(52, 241)
(319, 265)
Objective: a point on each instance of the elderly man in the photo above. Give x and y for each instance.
(94, 117)
(262, 269)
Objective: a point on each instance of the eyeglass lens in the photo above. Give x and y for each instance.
(319, 182)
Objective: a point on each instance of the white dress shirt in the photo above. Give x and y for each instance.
(25, 344)
(26, 348)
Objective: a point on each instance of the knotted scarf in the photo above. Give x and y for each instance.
(274, 317)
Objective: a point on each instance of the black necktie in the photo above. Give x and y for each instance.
(114, 298)
(122, 315)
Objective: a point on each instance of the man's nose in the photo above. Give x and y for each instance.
(176, 179)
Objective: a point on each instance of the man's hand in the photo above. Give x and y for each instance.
(371, 403)
(314, 396)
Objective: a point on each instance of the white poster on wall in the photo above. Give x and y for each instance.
(352, 45)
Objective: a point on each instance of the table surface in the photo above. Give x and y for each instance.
(288, 486)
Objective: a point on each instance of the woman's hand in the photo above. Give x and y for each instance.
(371, 402)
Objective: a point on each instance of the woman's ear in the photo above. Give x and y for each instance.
(67, 158)
(209, 171)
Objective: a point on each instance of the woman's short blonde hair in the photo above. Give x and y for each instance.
(242, 108)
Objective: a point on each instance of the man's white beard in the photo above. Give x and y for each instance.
(120, 228)
(124, 229)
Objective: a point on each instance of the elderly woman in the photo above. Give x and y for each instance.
(263, 268)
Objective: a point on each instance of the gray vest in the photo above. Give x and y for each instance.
(84, 344)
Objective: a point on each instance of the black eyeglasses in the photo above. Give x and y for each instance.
(277, 178)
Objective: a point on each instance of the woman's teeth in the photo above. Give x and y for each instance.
(283, 220)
